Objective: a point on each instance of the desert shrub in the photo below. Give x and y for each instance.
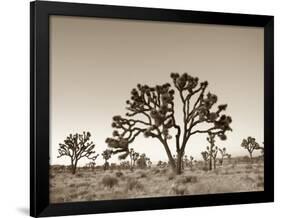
(171, 176)
(83, 184)
(187, 179)
(109, 181)
(205, 169)
(72, 185)
(164, 171)
(179, 189)
(79, 175)
(260, 184)
(155, 171)
(142, 174)
(132, 184)
(119, 174)
(260, 178)
(249, 179)
(216, 171)
(249, 167)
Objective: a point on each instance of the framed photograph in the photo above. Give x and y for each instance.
(143, 108)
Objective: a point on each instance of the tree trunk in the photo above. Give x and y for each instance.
(215, 163)
(73, 167)
(179, 163)
(251, 157)
(170, 157)
(210, 163)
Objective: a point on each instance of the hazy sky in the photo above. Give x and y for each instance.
(96, 62)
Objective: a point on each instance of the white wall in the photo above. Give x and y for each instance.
(14, 106)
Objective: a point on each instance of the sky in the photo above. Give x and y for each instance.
(95, 63)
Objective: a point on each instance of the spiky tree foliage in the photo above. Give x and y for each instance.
(151, 111)
(106, 154)
(223, 154)
(250, 145)
(77, 146)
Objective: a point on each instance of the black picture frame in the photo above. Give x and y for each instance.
(39, 107)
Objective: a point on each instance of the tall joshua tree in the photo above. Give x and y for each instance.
(151, 111)
(250, 144)
(77, 146)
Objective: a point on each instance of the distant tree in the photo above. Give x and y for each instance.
(162, 164)
(212, 151)
(133, 157)
(188, 162)
(152, 112)
(125, 165)
(77, 146)
(149, 163)
(205, 156)
(191, 159)
(106, 154)
(91, 164)
(223, 154)
(250, 145)
(142, 161)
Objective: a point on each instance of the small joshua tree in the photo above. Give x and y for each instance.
(77, 146)
(205, 156)
(133, 157)
(106, 154)
(142, 161)
(250, 144)
(149, 163)
(223, 155)
(211, 152)
(151, 112)
(191, 159)
(188, 162)
(124, 165)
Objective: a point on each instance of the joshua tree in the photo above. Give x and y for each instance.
(212, 151)
(205, 157)
(191, 162)
(133, 157)
(106, 154)
(250, 144)
(77, 146)
(142, 161)
(125, 165)
(223, 154)
(188, 162)
(149, 163)
(151, 111)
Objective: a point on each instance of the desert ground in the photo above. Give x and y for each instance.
(96, 184)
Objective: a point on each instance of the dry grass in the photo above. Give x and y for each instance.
(154, 182)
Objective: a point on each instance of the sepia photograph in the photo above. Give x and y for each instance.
(143, 109)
